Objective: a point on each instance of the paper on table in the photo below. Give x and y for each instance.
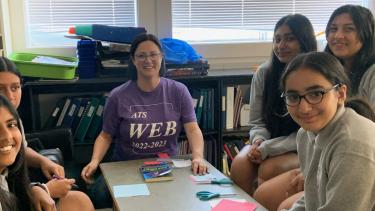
(202, 178)
(181, 163)
(130, 190)
(225, 205)
(215, 202)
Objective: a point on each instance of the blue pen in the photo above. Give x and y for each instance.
(58, 177)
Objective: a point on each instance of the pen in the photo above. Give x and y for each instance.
(58, 177)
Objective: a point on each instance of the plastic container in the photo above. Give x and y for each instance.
(28, 68)
(108, 33)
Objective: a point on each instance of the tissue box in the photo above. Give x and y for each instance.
(29, 68)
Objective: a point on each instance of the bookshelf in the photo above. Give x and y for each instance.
(40, 97)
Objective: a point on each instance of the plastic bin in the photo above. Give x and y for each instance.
(28, 68)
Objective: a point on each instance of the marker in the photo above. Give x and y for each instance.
(58, 177)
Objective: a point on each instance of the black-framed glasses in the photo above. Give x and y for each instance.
(143, 56)
(312, 97)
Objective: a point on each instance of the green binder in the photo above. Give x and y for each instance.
(86, 119)
(96, 123)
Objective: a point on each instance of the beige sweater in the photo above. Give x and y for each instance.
(338, 164)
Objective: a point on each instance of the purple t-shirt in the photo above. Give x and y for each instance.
(143, 124)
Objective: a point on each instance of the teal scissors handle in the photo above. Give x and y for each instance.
(223, 181)
(207, 195)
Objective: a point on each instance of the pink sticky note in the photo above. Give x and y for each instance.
(225, 205)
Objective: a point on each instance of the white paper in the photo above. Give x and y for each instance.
(202, 178)
(130, 190)
(181, 163)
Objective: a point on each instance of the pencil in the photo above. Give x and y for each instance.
(58, 177)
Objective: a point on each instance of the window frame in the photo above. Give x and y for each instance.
(152, 15)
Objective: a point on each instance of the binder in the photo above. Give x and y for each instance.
(80, 111)
(52, 119)
(199, 110)
(71, 112)
(97, 121)
(86, 119)
(63, 112)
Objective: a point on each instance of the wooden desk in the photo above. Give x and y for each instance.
(178, 194)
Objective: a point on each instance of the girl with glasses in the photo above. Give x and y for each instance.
(335, 144)
(272, 135)
(144, 116)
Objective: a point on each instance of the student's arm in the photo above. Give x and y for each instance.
(258, 129)
(278, 146)
(101, 146)
(41, 200)
(48, 167)
(350, 185)
(196, 142)
(367, 86)
(299, 205)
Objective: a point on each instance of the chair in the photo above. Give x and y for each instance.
(55, 143)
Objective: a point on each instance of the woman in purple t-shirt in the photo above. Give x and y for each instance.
(144, 116)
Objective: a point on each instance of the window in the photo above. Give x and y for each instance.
(47, 21)
(205, 21)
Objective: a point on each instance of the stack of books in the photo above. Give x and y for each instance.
(156, 171)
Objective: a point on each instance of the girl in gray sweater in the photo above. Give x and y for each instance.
(335, 145)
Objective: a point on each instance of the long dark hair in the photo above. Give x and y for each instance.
(361, 106)
(19, 196)
(321, 62)
(273, 106)
(365, 57)
(7, 65)
(138, 40)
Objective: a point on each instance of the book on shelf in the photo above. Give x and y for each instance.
(245, 115)
(53, 117)
(230, 107)
(86, 119)
(71, 112)
(227, 151)
(156, 171)
(97, 121)
(78, 116)
(63, 111)
(204, 121)
(225, 166)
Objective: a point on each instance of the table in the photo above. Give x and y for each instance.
(178, 194)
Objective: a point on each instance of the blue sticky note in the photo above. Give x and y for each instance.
(130, 190)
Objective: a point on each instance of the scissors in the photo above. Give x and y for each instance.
(207, 195)
(224, 181)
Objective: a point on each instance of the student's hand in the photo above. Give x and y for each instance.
(254, 154)
(49, 168)
(198, 166)
(58, 188)
(296, 183)
(88, 171)
(42, 201)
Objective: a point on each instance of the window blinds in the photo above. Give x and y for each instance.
(48, 20)
(260, 15)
